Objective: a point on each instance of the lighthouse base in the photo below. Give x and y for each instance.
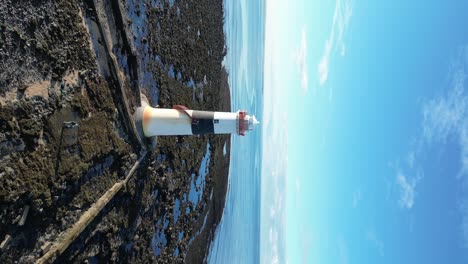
(138, 119)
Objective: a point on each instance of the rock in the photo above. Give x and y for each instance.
(24, 216)
(16, 220)
(59, 51)
(46, 246)
(5, 242)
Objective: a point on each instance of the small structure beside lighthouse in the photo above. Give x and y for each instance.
(183, 121)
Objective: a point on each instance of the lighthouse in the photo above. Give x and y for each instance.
(183, 121)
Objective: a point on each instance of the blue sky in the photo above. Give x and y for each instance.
(365, 132)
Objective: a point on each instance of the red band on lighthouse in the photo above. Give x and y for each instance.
(243, 124)
(185, 110)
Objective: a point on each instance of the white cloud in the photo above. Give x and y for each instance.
(407, 189)
(376, 241)
(274, 154)
(274, 157)
(273, 239)
(447, 117)
(301, 60)
(341, 17)
(323, 66)
(445, 120)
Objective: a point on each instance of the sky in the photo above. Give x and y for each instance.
(365, 132)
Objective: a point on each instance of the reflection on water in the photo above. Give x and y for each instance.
(98, 48)
(187, 208)
(136, 12)
(197, 185)
(100, 168)
(159, 241)
(171, 71)
(128, 246)
(93, 260)
(176, 210)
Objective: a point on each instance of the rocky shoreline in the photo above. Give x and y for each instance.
(55, 68)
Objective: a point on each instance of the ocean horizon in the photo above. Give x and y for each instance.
(237, 237)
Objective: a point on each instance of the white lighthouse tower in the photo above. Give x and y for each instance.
(183, 121)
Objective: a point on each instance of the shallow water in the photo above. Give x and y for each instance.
(176, 210)
(159, 240)
(197, 184)
(136, 12)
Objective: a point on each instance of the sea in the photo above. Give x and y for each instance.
(237, 238)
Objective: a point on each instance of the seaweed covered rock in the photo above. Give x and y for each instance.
(67, 62)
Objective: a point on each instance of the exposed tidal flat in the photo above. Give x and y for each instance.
(70, 76)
